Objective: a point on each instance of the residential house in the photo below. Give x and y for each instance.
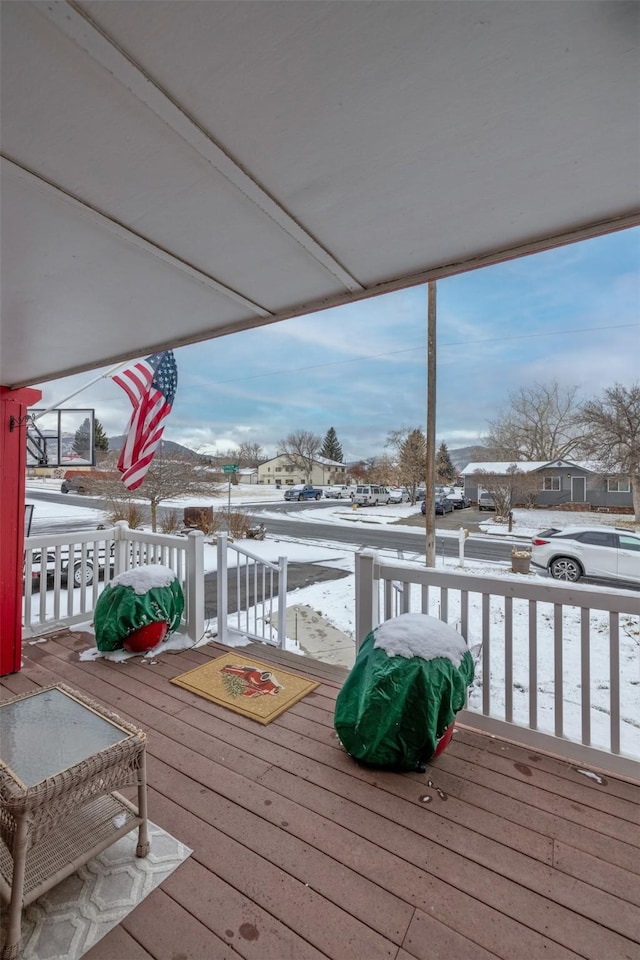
(280, 471)
(247, 474)
(562, 483)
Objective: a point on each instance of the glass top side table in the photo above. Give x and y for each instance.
(62, 759)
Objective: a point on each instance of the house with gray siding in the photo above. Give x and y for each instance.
(562, 483)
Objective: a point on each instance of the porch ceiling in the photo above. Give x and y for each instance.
(173, 172)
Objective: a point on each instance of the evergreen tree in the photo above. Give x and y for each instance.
(82, 441)
(445, 470)
(331, 448)
(100, 439)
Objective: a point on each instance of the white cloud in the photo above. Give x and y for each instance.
(362, 368)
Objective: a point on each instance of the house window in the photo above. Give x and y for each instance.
(618, 484)
(289, 469)
(278, 469)
(551, 483)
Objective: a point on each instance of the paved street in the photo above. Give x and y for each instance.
(389, 536)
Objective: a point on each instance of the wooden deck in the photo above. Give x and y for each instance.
(496, 851)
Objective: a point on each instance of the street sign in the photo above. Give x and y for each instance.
(230, 468)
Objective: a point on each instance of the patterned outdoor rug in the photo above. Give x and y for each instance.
(66, 922)
(246, 686)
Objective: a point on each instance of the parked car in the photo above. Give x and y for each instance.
(369, 495)
(74, 570)
(303, 492)
(440, 490)
(337, 491)
(605, 553)
(398, 495)
(83, 481)
(442, 504)
(458, 498)
(486, 501)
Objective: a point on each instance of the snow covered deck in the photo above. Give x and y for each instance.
(497, 851)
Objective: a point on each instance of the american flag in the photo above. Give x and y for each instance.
(151, 386)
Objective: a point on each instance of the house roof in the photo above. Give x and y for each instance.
(323, 461)
(173, 172)
(529, 466)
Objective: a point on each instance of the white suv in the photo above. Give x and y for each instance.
(604, 553)
(337, 491)
(369, 495)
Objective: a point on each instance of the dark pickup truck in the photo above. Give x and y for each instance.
(300, 492)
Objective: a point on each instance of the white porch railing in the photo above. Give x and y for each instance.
(537, 639)
(64, 574)
(254, 584)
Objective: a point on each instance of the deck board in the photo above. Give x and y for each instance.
(299, 852)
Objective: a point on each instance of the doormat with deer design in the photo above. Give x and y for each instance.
(254, 689)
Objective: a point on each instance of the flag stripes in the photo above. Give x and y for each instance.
(151, 386)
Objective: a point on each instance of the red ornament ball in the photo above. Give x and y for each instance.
(444, 740)
(147, 637)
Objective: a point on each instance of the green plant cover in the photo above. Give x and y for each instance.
(392, 710)
(120, 610)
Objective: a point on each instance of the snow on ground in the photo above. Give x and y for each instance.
(335, 601)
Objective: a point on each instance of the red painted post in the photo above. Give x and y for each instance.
(13, 455)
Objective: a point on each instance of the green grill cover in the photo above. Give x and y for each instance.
(395, 706)
(143, 595)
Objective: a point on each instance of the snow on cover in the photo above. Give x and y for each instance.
(143, 579)
(418, 635)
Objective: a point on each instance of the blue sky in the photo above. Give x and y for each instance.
(571, 315)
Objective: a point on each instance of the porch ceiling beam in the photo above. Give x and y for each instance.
(78, 27)
(125, 233)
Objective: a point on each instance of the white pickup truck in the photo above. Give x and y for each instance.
(338, 491)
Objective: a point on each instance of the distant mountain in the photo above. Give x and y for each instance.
(460, 457)
(464, 455)
(168, 446)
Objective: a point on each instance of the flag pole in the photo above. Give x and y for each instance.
(101, 376)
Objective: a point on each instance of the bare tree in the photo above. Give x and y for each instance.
(301, 449)
(361, 471)
(384, 470)
(396, 439)
(612, 424)
(165, 480)
(539, 424)
(507, 489)
(250, 454)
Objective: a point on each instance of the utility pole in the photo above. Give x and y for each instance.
(430, 466)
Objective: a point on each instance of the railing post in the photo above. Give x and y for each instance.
(282, 602)
(121, 551)
(221, 588)
(366, 610)
(462, 536)
(195, 585)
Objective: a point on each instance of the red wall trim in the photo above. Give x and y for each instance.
(13, 455)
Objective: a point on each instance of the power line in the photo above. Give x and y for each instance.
(422, 346)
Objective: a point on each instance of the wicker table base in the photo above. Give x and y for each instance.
(52, 824)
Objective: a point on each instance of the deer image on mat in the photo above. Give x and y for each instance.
(398, 705)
